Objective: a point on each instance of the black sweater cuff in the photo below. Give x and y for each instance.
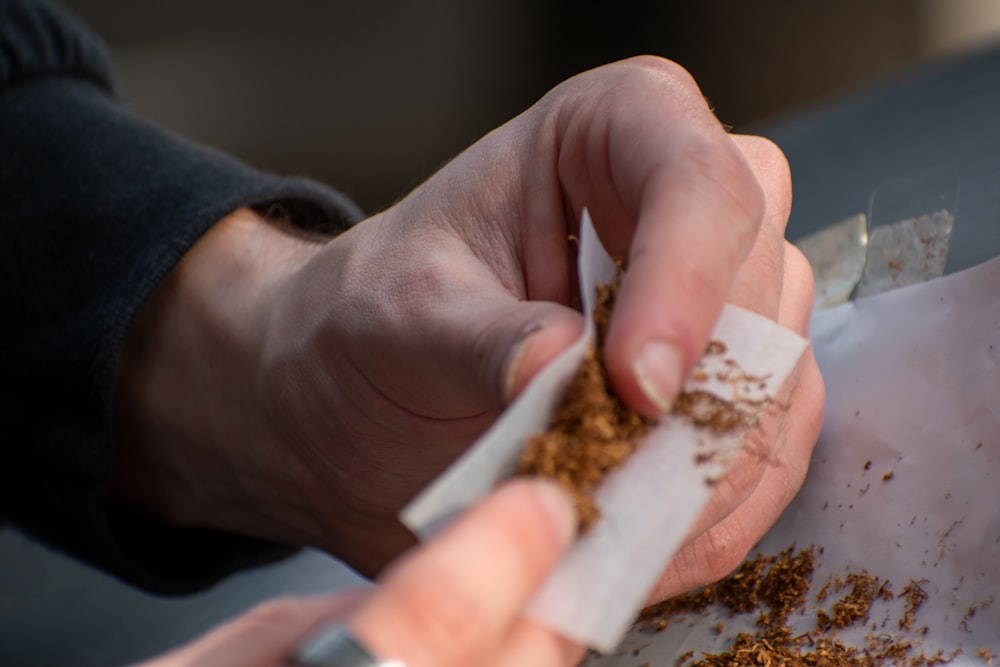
(96, 208)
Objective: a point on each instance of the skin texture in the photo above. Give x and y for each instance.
(304, 393)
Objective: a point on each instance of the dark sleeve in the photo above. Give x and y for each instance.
(96, 207)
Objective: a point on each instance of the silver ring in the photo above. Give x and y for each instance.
(336, 647)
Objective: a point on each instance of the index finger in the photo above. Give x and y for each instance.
(700, 208)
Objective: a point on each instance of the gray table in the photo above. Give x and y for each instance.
(942, 115)
(55, 612)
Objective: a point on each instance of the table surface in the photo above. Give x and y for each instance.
(943, 115)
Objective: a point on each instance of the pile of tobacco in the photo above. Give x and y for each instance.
(777, 586)
(592, 432)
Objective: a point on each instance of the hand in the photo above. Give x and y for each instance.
(454, 602)
(334, 383)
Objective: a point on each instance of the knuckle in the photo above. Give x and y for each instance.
(814, 393)
(765, 153)
(416, 281)
(648, 70)
(800, 271)
(662, 67)
(776, 160)
(771, 170)
(798, 294)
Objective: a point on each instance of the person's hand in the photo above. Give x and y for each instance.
(455, 602)
(304, 393)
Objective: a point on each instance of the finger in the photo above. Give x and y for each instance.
(501, 346)
(667, 185)
(700, 215)
(770, 168)
(760, 279)
(745, 474)
(454, 601)
(474, 355)
(770, 469)
(489, 346)
(759, 287)
(759, 283)
(797, 401)
(799, 292)
(264, 636)
(520, 360)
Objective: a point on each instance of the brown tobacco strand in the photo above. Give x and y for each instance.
(592, 432)
(776, 586)
(707, 410)
(915, 597)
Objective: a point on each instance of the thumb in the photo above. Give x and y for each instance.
(496, 348)
(546, 329)
(457, 600)
(477, 351)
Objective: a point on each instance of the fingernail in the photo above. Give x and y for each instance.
(514, 360)
(556, 504)
(658, 368)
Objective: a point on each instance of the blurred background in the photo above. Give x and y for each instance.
(372, 96)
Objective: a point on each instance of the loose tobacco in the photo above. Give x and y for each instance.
(592, 432)
(777, 586)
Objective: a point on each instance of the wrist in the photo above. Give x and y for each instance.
(189, 441)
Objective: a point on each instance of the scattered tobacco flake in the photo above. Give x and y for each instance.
(716, 347)
(706, 410)
(763, 580)
(971, 612)
(592, 432)
(783, 588)
(775, 586)
(856, 605)
(915, 597)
